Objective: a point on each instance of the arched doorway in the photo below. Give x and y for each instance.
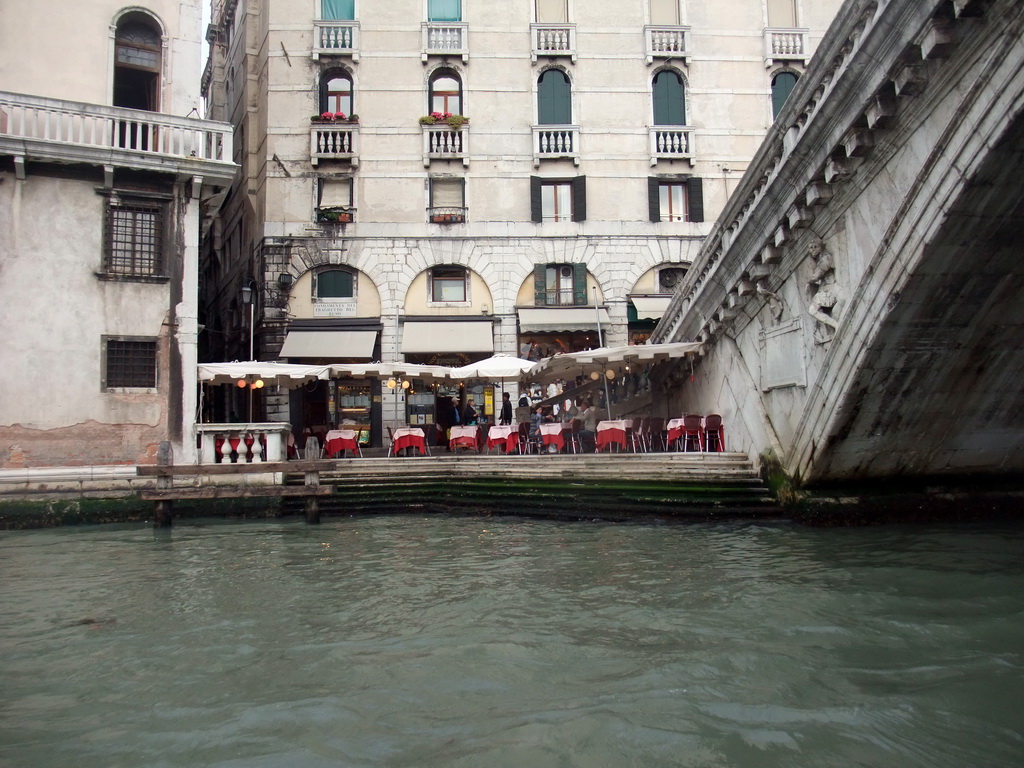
(137, 62)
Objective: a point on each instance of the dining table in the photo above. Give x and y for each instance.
(338, 440)
(675, 431)
(551, 435)
(611, 432)
(464, 437)
(506, 435)
(409, 437)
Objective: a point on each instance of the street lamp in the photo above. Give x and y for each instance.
(247, 298)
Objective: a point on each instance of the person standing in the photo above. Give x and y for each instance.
(506, 409)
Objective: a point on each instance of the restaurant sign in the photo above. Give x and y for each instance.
(334, 308)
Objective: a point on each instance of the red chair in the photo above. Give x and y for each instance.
(714, 433)
(656, 434)
(693, 432)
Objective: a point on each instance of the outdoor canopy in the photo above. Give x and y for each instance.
(280, 374)
(562, 366)
(499, 367)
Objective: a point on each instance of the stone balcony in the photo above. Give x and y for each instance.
(449, 38)
(785, 44)
(336, 38)
(667, 42)
(442, 143)
(671, 142)
(59, 131)
(553, 41)
(334, 141)
(556, 142)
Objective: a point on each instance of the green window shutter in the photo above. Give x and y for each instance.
(669, 99)
(654, 198)
(579, 284)
(695, 198)
(540, 289)
(554, 104)
(579, 198)
(338, 10)
(444, 10)
(782, 85)
(536, 211)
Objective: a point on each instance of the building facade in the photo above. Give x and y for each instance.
(432, 181)
(105, 170)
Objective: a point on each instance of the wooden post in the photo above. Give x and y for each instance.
(163, 509)
(313, 501)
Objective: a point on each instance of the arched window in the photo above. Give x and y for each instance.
(782, 85)
(554, 98)
(446, 92)
(336, 92)
(669, 97)
(335, 284)
(137, 54)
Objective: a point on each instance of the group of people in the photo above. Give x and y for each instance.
(586, 413)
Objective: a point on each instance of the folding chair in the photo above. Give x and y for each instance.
(656, 434)
(693, 432)
(714, 433)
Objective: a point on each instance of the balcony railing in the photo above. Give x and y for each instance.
(336, 38)
(447, 38)
(671, 142)
(243, 443)
(554, 142)
(334, 142)
(785, 44)
(442, 143)
(446, 214)
(554, 40)
(666, 42)
(73, 131)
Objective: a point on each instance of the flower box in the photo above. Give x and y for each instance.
(333, 118)
(455, 122)
(329, 216)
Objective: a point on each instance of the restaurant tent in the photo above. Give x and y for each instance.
(573, 363)
(279, 374)
(386, 371)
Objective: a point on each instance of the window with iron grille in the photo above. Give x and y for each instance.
(134, 241)
(130, 363)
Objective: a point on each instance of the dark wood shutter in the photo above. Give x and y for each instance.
(695, 198)
(579, 198)
(536, 211)
(579, 284)
(654, 198)
(540, 288)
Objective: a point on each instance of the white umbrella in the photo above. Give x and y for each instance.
(499, 367)
(280, 374)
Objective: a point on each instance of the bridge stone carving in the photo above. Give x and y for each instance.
(861, 298)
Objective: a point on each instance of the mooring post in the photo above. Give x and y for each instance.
(313, 501)
(163, 509)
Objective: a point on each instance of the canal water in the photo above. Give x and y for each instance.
(479, 642)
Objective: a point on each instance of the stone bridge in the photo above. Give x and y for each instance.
(861, 298)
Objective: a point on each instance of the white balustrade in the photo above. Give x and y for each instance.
(333, 141)
(445, 39)
(336, 38)
(74, 124)
(242, 443)
(667, 42)
(553, 40)
(441, 142)
(556, 141)
(785, 45)
(671, 142)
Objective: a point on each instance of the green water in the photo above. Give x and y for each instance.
(405, 641)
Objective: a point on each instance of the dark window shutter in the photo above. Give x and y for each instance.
(579, 198)
(669, 99)
(695, 198)
(782, 85)
(579, 284)
(654, 198)
(540, 288)
(554, 98)
(536, 211)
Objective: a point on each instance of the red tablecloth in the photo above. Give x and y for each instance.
(611, 432)
(551, 434)
(338, 440)
(466, 437)
(506, 435)
(675, 430)
(410, 437)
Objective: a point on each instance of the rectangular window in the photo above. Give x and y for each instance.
(676, 199)
(444, 10)
(665, 13)
(129, 362)
(335, 200)
(338, 10)
(447, 201)
(134, 238)
(560, 285)
(556, 201)
(448, 284)
(552, 12)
